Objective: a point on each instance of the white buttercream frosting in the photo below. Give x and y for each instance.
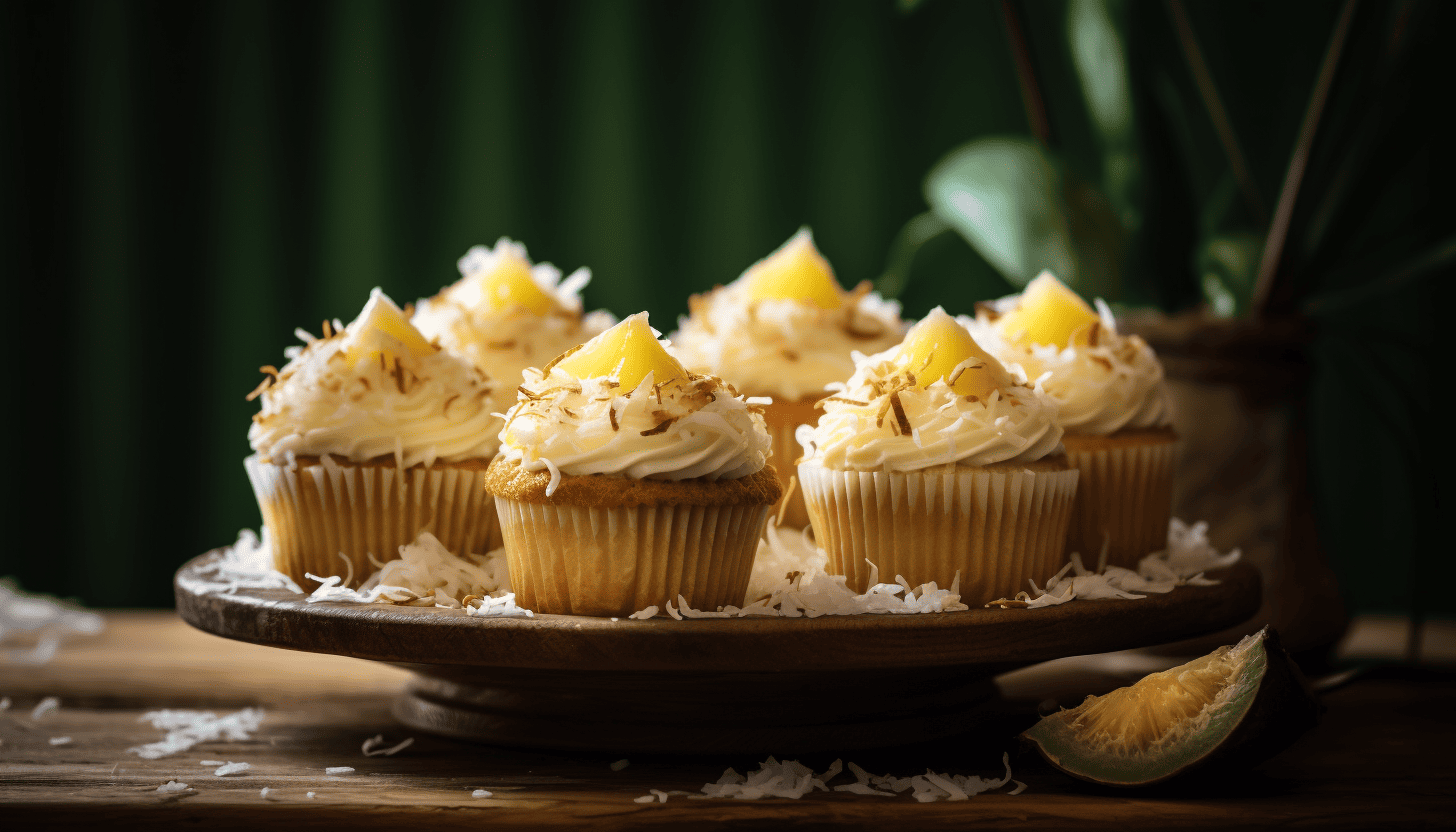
(364, 393)
(693, 427)
(880, 420)
(785, 348)
(503, 342)
(1112, 383)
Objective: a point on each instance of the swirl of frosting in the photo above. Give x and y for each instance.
(784, 346)
(506, 314)
(684, 427)
(1111, 382)
(884, 419)
(376, 388)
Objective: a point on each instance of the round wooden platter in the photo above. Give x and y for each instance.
(781, 685)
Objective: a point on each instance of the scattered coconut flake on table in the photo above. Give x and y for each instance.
(481, 793)
(309, 795)
(791, 779)
(45, 708)
(231, 768)
(339, 769)
(40, 623)
(373, 742)
(264, 792)
(4, 703)
(172, 787)
(1188, 556)
(212, 762)
(60, 740)
(188, 728)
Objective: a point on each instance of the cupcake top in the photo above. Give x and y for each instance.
(1103, 381)
(372, 389)
(785, 328)
(506, 314)
(936, 399)
(621, 405)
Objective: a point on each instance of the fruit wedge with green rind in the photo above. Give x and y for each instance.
(1229, 710)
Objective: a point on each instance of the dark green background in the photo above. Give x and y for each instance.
(184, 183)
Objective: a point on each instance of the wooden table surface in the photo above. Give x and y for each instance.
(1381, 757)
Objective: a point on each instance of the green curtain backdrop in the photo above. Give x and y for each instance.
(184, 183)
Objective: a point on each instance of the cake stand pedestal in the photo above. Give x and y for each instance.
(776, 685)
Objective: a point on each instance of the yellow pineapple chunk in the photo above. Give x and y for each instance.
(1048, 313)
(626, 352)
(382, 328)
(937, 347)
(797, 271)
(510, 284)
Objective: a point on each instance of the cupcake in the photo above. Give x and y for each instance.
(785, 329)
(367, 437)
(506, 314)
(931, 463)
(1114, 407)
(624, 481)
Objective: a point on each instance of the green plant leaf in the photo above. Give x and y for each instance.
(1004, 196)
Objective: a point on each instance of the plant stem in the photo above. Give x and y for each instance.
(1284, 212)
(1193, 53)
(1036, 112)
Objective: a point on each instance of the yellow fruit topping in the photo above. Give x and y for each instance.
(938, 347)
(797, 271)
(509, 283)
(1048, 313)
(383, 328)
(626, 352)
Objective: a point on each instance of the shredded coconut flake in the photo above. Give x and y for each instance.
(172, 787)
(45, 708)
(41, 623)
(188, 728)
(791, 779)
(60, 740)
(1188, 556)
(481, 793)
(338, 770)
(231, 768)
(371, 748)
(425, 574)
(803, 590)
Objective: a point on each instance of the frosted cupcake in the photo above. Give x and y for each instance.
(1114, 407)
(785, 329)
(624, 481)
(933, 462)
(367, 437)
(506, 314)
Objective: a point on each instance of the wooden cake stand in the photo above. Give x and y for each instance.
(775, 685)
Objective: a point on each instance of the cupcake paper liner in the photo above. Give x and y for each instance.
(1125, 496)
(316, 511)
(783, 419)
(616, 560)
(997, 527)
